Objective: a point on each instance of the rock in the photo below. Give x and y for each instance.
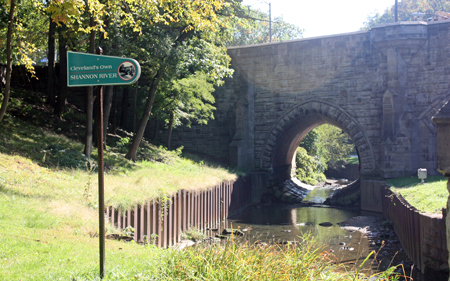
(229, 231)
(325, 224)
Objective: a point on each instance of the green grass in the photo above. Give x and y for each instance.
(49, 216)
(28, 168)
(429, 197)
(353, 160)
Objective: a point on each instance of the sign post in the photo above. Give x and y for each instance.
(97, 70)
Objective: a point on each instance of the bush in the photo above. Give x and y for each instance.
(56, 155)
(309, 169)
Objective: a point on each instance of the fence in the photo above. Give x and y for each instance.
(167, 219)
(422, 235)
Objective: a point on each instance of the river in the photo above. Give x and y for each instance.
(280, 223)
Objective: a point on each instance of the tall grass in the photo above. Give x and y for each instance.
(304, 261)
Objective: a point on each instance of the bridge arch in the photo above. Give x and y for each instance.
(288, 131)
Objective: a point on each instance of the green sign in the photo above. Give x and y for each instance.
(91, 70)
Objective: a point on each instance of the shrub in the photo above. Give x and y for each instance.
(309, 168)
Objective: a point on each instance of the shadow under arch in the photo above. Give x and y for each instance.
(288, 131)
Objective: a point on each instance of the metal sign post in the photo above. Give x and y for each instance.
(97, 70)
(101, 182)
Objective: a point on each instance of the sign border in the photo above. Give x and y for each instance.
(135, 62)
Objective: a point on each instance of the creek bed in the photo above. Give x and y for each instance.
(346, 232)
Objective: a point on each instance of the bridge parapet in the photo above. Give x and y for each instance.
(380, 86)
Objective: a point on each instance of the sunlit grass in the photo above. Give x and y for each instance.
(49, 221)
(26, 169)
(429, 197)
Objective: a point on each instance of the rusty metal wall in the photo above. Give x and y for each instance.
(162, 223)
(422, 235)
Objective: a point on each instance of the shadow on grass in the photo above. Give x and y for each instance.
(214, 163)
(413, 181)
(21, 138)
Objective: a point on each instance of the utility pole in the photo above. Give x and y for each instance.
(270, 22)
(396, 11)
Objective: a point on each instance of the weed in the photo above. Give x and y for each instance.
(128, 231)
(193, 234)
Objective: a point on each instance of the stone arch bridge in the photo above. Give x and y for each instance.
(380, 86)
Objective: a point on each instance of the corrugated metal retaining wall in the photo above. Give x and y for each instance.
(422, 235)
(203, 209)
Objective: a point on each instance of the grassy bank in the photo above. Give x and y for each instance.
(429, 197)
(39, 162)
(49, 224)
(49, 215)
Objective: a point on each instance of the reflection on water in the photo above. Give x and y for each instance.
(280, 224)
(319, 194)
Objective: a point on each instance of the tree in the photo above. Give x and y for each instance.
(191, 100)
(326, 146)
(253, 28)
(333, 145)
(187, 19)
(309, 168)
(406, 8)
(9, 59)
(21, 29)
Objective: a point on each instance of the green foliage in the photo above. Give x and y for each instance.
(309, 142)
(253, 28)
(128, 231)
(333, 145)
(406, 8)
(232, 261)
(62, 157)
(193, 234)
(30, 23)
(185, 94)
(122, 144)
(323, 147)
(162, 154)
(309, 169)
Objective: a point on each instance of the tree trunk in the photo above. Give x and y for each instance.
(135, 107)
(169, 135)
(114, 122)
(51, 64)
(90, 100)
(107, 102)
(131, 155)
(124, 112)
(8, 61)
(62, 85)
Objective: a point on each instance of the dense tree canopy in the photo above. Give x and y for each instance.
(406, 8)
(180, 44)
(253, 28)
(324, 147)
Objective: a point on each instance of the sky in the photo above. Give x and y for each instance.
(323, 17)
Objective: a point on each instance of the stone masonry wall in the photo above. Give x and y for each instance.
(389, 81)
